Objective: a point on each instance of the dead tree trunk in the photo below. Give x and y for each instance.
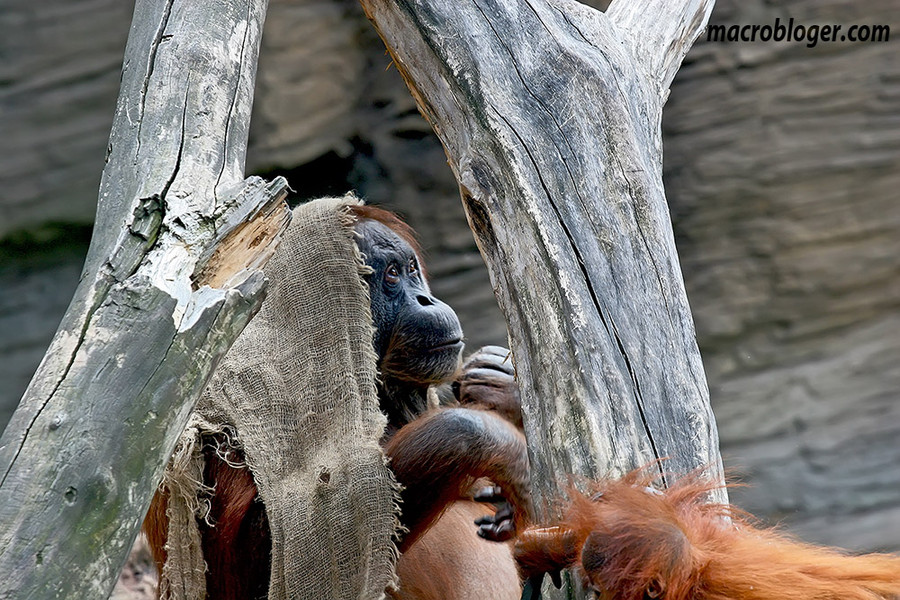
(169, 282)
(549, 112)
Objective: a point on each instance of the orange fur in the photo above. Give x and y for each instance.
(632, 544)
(156, 528)
(450, 562)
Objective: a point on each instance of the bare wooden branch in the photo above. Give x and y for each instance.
(550, 113)
(660, 32)
(156, 307)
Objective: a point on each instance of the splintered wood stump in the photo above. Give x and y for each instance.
(549, 112)
(171, 279)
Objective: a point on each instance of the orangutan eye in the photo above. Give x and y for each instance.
(413, 267)
(654, 590)
(392, 275)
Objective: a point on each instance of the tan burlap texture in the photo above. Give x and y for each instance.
(297, 393)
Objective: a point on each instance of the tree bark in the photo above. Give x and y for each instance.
(549, 112)
(170, 280)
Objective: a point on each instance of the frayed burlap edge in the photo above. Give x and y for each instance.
(184, 573)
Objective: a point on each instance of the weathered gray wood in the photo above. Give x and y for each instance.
(86, 447)
(660, 33)
(550, 116)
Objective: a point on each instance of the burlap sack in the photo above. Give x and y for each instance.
(297, 393)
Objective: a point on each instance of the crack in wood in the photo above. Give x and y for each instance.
(612, 332)
(21, 445)
(571, 239)
(158, 38)
(237, 92)
(575, 27)
(639, 400)
(565, 138)
(177, 167)
(650, 255)
(479, 217)
(175, 338)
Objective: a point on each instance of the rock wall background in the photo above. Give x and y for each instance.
(782, 166)
(783, 175)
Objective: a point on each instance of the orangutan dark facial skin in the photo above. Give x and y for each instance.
(418, 337)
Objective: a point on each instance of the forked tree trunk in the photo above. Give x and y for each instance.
(549, 112)
(170, 280)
